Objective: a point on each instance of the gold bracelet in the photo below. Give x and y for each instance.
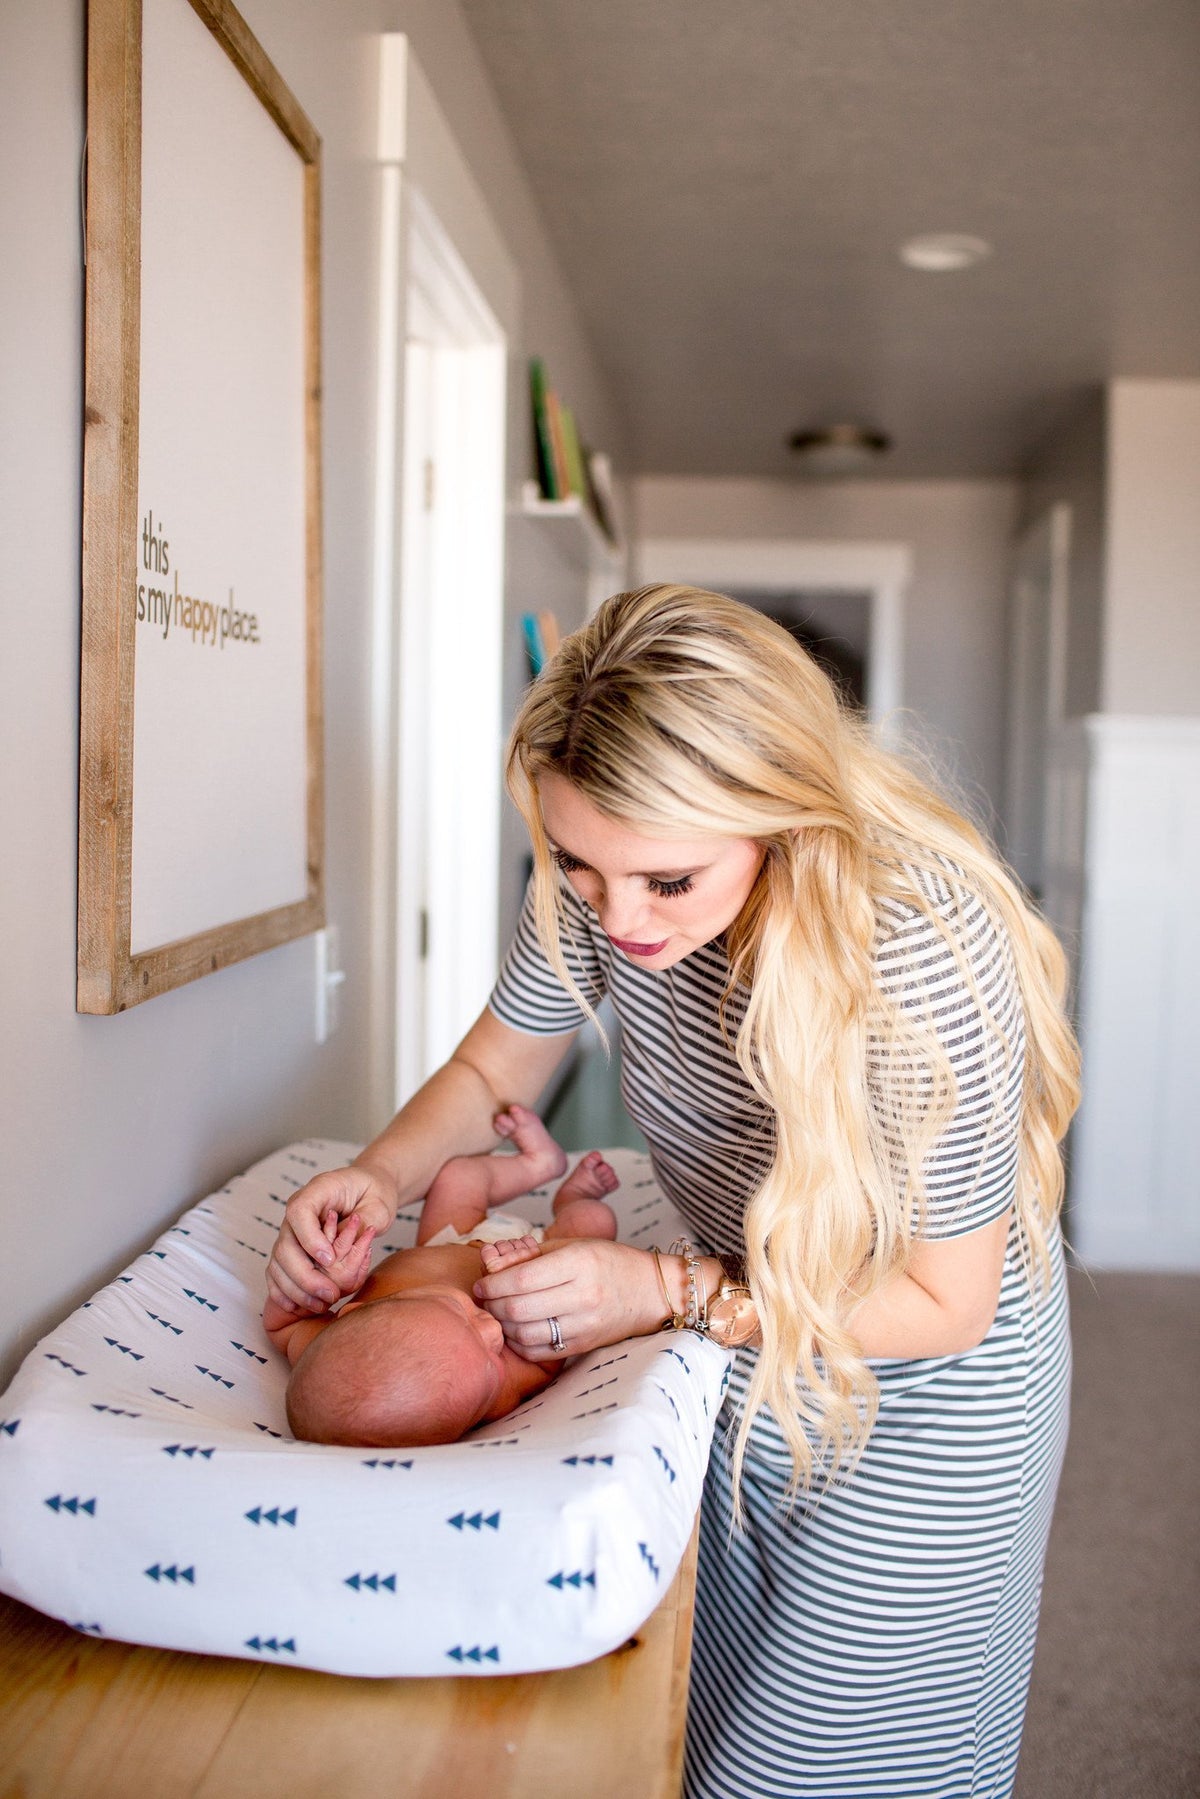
(674, 1321)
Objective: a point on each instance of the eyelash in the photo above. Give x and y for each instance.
(662, 889)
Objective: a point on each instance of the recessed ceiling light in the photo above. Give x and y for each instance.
(937, 252)
(839, 449)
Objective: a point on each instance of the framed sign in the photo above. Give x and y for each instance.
(201, 753)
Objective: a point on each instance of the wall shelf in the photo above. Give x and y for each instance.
(575, 536)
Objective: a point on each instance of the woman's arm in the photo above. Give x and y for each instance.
(943, 1304)
(451, 1115)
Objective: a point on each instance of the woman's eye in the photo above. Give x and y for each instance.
(672, 889)
(569, 864)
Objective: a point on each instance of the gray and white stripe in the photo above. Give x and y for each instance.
(876, 1642)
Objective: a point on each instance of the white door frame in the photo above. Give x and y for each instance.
(1037, 693)
(445, 279)
(883, 571)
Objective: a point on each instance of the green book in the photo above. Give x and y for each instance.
(542, 437)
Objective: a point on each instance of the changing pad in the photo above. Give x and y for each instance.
(149, 1489)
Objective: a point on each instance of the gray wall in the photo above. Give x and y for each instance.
(954, 628)
(1071, 466)
(111, 1124)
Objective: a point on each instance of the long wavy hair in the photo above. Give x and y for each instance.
(682, 713)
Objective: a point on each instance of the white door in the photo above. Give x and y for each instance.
(1037, 688)
(450, 651)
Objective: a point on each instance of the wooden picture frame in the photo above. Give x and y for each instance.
(224, 856)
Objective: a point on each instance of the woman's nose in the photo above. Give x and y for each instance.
(620, 915)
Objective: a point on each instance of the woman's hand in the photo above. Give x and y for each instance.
(599, 1293)
(313, 1237)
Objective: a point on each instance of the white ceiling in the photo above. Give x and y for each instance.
(726, 183)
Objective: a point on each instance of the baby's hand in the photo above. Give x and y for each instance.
(350, 1240)
(508, 1252)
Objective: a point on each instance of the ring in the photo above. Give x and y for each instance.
(556, 1337)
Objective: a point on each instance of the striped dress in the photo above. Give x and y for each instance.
(877, 1642)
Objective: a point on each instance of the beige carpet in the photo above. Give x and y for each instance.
(1114, 1711)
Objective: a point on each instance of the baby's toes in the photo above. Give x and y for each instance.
(606, 1176)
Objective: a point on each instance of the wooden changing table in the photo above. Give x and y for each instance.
(81, 1719)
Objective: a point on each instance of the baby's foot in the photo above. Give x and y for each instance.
(591, 1178)
(540, 1156)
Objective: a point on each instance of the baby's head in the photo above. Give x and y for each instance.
(421, 1366)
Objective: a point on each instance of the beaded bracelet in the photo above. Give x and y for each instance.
(696, 1317)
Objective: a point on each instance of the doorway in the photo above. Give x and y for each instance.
(449, 303)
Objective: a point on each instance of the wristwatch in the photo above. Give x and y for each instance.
(731, 1317)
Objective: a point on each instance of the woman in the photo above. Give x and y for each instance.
(843, 1038)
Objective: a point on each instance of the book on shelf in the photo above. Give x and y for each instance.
(566, 468)
(542, 433)
(562, 474)
(551, 635)
(535, 649)
(599, 496)
(574, 454)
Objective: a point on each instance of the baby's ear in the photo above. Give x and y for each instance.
(508, 1253)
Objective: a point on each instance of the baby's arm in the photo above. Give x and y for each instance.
(291, 1333)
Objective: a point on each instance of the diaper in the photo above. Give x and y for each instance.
(497, 1227)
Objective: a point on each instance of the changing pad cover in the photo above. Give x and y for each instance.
(149, 1489)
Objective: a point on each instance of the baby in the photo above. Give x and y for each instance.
(412, 1358)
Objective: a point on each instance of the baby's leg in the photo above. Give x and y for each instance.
(579, 1208)
(467, 1186)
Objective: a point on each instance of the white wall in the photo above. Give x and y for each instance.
(1151, 659)
(111, 1124)
(954, 628)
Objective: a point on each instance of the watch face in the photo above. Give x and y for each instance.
(732, 1318)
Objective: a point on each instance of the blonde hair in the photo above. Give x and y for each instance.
(681, 713)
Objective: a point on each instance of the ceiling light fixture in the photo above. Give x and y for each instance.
(938, 252)
(838, 449)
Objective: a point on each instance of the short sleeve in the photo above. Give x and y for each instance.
(970, 1174)
(528, 994)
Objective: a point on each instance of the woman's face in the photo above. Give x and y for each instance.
(657, 899)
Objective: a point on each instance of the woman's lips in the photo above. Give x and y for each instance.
(639, 949)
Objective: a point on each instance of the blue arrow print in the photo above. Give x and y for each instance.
(200, 1299)
(378, 1461)
(375, 1583)
(273, 1644)
(649, 1560)
(219, 1378)
(586, 1461)
(9, 1426)
(260, 1516)
(74, 1504)
(69, 1366)
(172, 1574)
(124, 1349)
(116, 1410)
(477, 1654)
(577, 1579)
(667, 1468)
(477, 1520)
(189, 1449)
(166, 1323)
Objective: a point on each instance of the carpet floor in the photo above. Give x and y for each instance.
(1114, 1708)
